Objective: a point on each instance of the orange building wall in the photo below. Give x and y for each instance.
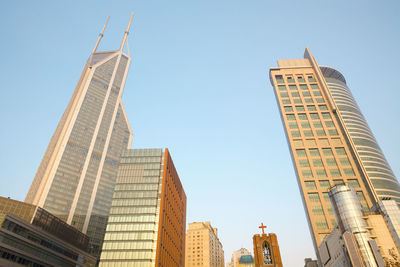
(172, 225)
(272, 240)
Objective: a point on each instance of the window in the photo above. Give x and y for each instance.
(321, 133)
(305, 124)
(329, 124)
(297, 101)
(348, 171)
(340, 151)
(306, 93)
(308, 133)
(331, 162)
(320, 100)
(314, 86)
(284, 94)
(321, 224)
(314, 116)
(317, 163)
(310, 78)
(304, 163)
(308, 100)
(303, 87)
(338, 182)
(314, 152)
(290, 79)
(292, 87)
(285, 101)
(295, 94)
(326, 196)
(302, 116)
(317, 210)
(317, 93)
(307, 174)
(317, 124)
(335, 172)
(333, 132)
(290, 117)
(323, 107)
(324, 184)
(300, 79)
(293, 125)
(281, 88)
(288, 109)
(279, 78)
(295, 134)
(299, 108)
(326, 115)
(321, 173)
(313, 197)
(353, 183)
(311, 108)
(300, 152)
(327, 151)
(310, 185)
(360, 196)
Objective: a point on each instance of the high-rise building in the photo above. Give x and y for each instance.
(203, 246)
(329, 139)
(75, 180)
(147, 221)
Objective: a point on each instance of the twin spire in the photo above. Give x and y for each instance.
(123, 39)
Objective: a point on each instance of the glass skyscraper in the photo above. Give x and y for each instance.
(75, 180)
(330, 140)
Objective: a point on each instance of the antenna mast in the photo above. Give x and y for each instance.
(126, 32)
(100, 36)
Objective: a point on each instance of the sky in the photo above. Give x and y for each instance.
(199, 85)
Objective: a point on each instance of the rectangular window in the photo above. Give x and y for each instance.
(348, 171)
(281, 88)
(317, 93)
(295, 94)
(340, 151)
(293, 125)
(326, 115)
(306, 93)
(323, 107)
(314, 116)
(333, 132)
(297, 101)
(327, 151)
(300, 152)
(300, 79)
(317, 163)
(311, 78)
(320, 100)
(299, 108)
(311, 108)
(284, 94)
(290, 117)
(314, 86)
(308, 100)
(338, 182)
(317, 210)
(324, 184)
(304, 163)
(329, 124)
(331, 162)
(310, 185)
(314, 152)
(288, 109)
(360, 196)
(298, 143)
(317, 124)
(292, 87)
(321, 133)
(353, 183)
(321, 173)
(285, 101)
(321, 224)
(313, 197)
(326, 196)
(290, 79)
(303, 87)
(302, 116)
(308, 133)
(307, 174)
(335, 172)
(305, 124)
(295, 134)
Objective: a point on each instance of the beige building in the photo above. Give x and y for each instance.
(75, 180)
(236, 255)
(329, 139)
(203, 247)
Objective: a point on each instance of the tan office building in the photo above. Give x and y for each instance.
(203, 247)
(75, 180)
(147, 222)
(329, 139)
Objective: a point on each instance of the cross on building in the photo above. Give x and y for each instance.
(262, 227)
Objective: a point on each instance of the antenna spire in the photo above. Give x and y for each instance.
(126, 32)
(100, 36)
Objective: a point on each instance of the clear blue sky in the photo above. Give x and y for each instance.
(199, 85)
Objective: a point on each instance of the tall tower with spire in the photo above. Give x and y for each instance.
(75, 180)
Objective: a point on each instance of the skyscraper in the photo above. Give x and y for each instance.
(329, 139)
(147, 220)
(75, 180)
(203, 246)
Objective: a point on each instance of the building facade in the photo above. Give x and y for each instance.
(236, 255)
(266, 250)
(75, 180)
(203, 247)
(330, 141)
(147, 221)
(31, 236)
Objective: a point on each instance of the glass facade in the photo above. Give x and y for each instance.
(76, 178)
(137, 232)
(370, 154)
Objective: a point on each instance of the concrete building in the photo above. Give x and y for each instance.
(147, 221)
(75, 180)
(203, 247)
(31, 236)
(245, 261)
(308, 262)
(329, 139)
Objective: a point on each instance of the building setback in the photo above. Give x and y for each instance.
(75, 180)
(329, 139)
(31, 236)
(147, 219)
(203, 246)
